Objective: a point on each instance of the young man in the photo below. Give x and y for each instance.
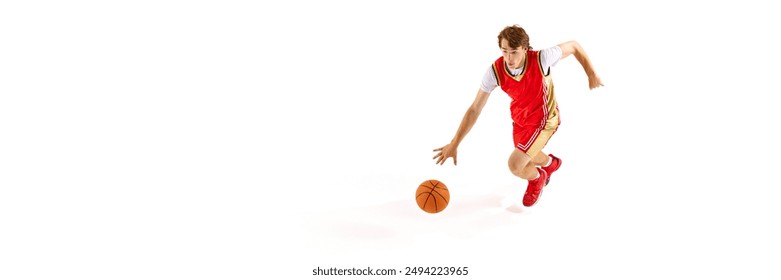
(524, 74)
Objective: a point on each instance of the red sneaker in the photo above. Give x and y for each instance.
(534, 189)
(555, 163)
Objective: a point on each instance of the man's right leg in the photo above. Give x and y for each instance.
(529, 142)
(520, 164)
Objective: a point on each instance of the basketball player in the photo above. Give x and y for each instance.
(524, 74)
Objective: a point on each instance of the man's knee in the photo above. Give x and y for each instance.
(518, 161)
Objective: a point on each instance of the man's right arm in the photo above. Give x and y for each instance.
(470, 117)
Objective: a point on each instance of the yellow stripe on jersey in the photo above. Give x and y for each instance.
(496, 75)
(539, 63)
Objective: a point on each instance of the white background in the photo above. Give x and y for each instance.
(238, 140)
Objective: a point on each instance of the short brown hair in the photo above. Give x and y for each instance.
(515, 36)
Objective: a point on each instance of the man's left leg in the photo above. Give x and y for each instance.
(547, 162)
(541, 159)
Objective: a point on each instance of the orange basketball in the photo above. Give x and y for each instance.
(432, 196)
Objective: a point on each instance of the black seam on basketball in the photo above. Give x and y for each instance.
(425, 203)
(427, 187)
(443, 197)
(436, 206)
(422, 194)
(434, 184)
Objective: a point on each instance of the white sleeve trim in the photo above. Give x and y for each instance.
(489, 80)
(550, 56)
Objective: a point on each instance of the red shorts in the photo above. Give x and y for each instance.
(531, 139)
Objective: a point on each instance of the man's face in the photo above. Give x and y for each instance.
(513, 57)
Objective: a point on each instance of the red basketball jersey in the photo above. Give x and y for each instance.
(533, 101)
